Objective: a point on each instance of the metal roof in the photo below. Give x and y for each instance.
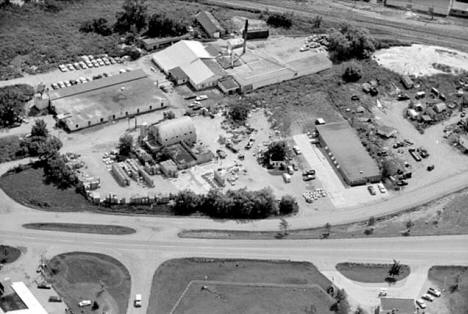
(345, 145)
(201, 71)
(209, 23)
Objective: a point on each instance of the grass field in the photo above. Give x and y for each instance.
(446, 216)
(370, 273)
(28, 188)
(81, 228)
(453, 300)
(80, 276)
(10, 148)
(172, 277)
(218, 298)
(8, 254)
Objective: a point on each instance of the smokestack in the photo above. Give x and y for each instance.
(245, 35)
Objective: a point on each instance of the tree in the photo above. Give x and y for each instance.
(159, 25)
(132, 52)
(186, 202)
(133, 14)
(360, 310)
(288, 205)
(352, 72)
(283, 226)
(342, 305)
(317, 21)
(279, 20)
(99, 26)
(57, 172)
(277, 151)
(12, 103)
(239, 113)
(350, 42)
(371, 221)
(394, 270)
(125, 145)
(39, 129)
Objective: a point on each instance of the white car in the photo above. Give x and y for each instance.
(381, 188)
(137, 301)
(297, 150)
(427, 297)
(434, 292)
(421, 303)
(84, 303)
(201, 98)
(61, 84)
(70, 67)
(63, 68)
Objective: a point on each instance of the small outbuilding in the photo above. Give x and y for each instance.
(407, 82)
(178, 76)
(440, 107)
(169, 168)
(210, 24)
(386, 131)
(228, 85)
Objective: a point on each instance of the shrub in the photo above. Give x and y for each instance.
(279, 20)
(239, 112)
(352, 72)
(99, 26)
(288, 205)
(132, 52)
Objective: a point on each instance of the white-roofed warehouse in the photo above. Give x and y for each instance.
(180, 54)
(174, 131)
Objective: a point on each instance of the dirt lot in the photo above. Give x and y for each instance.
(173, 277)
(370, 273)
(9, 254)
(81, 228)
(453, 300)
(247, 298)
(87, 276)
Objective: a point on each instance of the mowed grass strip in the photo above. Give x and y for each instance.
(97, 277)
(229, 298)
(173, 276)
(81, 228)
(9, 254)
(28, 188)
(370, 273)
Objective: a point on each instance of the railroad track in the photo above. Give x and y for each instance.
(429, 34)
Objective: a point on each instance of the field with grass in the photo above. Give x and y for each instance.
(28, 188)
(100, 278)
(81, 228)
(10, 148)
(445, 216)
(230, 279)
(453, 282)
(371, 273)
(9, 254)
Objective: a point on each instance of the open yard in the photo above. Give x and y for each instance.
(89, 276)
(240, 284)
(81, 228)
(28, 188)
(453, 282)
(218, 297)
(370, 273)
(9, 254)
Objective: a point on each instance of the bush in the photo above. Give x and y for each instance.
(12, 103)
(99, 26)
(159, 25)
(351, 42)
(352, 72)
(279, 20)
(239, 113)
(288, 205)
(132, 52)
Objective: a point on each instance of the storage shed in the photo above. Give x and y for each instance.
(210, 24)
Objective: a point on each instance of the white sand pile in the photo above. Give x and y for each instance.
(422, 60)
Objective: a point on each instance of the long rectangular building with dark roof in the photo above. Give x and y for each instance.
(346, 152)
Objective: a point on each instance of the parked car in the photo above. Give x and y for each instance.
(84, 303)
(43, 285)
(381, 188)
(54, 86)
(137, 302)
(434, 292)
(421, 303)
(54, 298)
(63, 68)
(232, 148)
(371, 190)
(427, 297)
(297, 150)
(70, 67)
(201, 98)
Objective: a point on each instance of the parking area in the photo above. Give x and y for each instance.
(339, 194)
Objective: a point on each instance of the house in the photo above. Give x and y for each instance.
(396, 306)
(178, 76)
(210, 24)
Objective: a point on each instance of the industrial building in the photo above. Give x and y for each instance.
(257, 29)
(346, 152)
(439, 7)
(106, 99)
(459, 8)
(210, 24)
(174, 131)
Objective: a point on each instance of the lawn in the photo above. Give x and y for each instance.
(9, 254)
(453, 282)
(370, 273)
(216, 298)
(28, 188)
(172, 277)
(445, 216)
(81, 228)
(10, 148)
(80, 276)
